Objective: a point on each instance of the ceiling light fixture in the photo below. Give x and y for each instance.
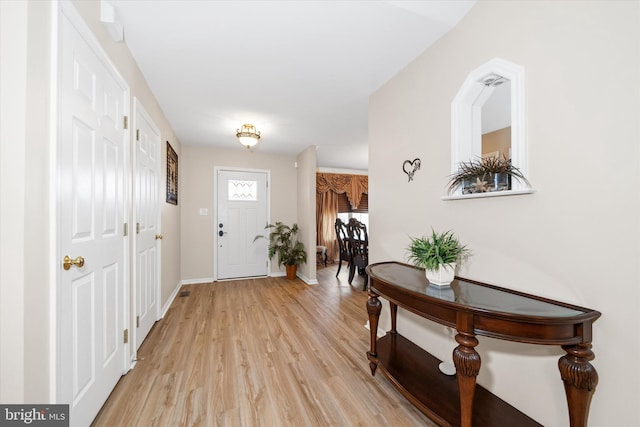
(247, 135)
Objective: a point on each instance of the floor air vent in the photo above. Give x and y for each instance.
(185, 293)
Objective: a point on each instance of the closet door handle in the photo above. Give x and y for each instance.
(67, 262)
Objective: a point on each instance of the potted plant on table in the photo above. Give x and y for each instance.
(283, 241)
(438, 254)
(493, 173)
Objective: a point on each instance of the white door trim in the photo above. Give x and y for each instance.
(138, 108)
(53, 200)
(216, 169)
(59, 9)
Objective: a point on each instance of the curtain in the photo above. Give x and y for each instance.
(353, 185)
(326, 215)
(328, 186)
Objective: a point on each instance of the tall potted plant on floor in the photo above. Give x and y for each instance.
(283, 242)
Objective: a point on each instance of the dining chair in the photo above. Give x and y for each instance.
(343, 243)
(359, 246)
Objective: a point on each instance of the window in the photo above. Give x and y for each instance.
(242, 190)
(346, 211)
(496, 82)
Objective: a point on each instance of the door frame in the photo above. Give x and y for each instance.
(59, 9)
(217, 169)
(138, 108)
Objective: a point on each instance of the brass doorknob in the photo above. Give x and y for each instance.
(67, 262)
(158, 236)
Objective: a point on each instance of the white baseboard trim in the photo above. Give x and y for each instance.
(302, 277)
(133, 364)
(208, 280)
(205, 280)
(306, 280)
(166, 306)
(379, 333)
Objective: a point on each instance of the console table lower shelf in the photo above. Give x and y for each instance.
(414, 372)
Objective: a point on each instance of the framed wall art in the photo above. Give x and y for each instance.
(172, 175)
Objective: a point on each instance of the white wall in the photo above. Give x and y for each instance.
(24, 187)
(575, 239)
(13, 75)
(197, 166)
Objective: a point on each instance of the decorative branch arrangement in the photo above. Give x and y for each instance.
(480, 175)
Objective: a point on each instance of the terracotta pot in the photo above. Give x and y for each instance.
(291, 271)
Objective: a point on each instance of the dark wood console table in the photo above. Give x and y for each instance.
(475, 308)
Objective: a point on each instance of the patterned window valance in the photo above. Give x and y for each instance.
(353, 185)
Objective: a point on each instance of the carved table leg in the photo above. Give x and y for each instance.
(374, 307)
(467, 362)
(580, 379)
(394, 315)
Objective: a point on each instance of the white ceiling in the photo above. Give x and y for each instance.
(300, 71)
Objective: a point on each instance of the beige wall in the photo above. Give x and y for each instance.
(498, 140)
(197, 166)
(576, 238)
(306, 178)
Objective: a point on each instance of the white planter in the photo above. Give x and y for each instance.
(443, 276)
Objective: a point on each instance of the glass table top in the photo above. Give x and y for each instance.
(469, 294)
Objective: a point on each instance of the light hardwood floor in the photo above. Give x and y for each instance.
(263, 352)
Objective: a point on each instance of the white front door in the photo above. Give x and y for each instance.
(242, 214)
(91, 207)
(146, 196)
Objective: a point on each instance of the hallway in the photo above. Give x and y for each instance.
(263, 352)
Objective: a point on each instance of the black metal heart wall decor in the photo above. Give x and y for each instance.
(413, 166)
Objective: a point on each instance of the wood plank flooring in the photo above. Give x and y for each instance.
(262, 352)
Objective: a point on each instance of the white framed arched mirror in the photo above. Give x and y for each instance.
(488, 121)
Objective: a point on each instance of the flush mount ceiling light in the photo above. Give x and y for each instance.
(247, 135)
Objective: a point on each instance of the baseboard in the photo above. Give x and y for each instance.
(379, 332)
(196, 281)
(306, 280)
(166, 306)
(208, 280)
(302, 277)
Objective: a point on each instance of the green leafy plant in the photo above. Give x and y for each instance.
(435, 250)
(484, 169)
(283, 241)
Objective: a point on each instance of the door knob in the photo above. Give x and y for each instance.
(158, 236)
(67, 262)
